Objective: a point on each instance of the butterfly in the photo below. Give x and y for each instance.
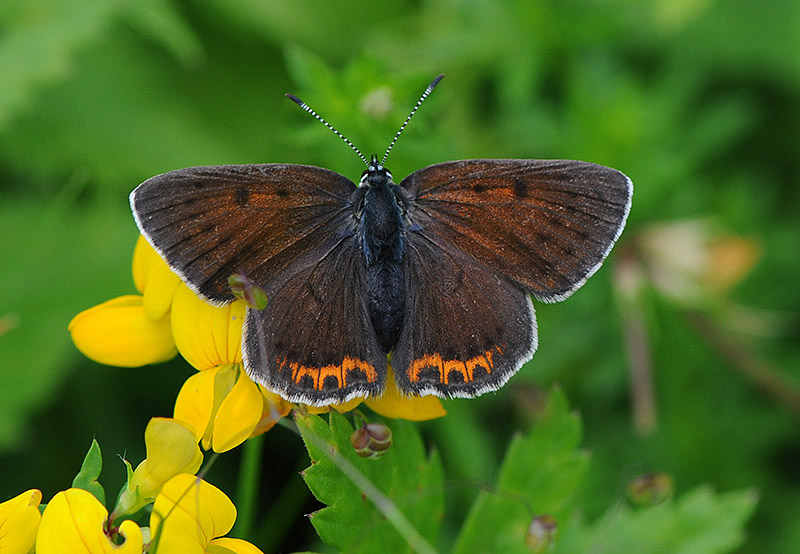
(436, 272)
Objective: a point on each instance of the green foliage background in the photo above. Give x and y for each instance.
(697, 100)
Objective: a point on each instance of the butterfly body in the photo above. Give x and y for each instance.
(380, 213)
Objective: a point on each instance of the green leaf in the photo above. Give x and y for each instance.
(87, 477)
(699, 522)
(390, 504)
(539, 475)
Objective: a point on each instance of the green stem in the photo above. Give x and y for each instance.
(248, 486)
(284, 511)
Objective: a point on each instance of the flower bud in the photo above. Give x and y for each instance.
(541, 533)
(371, 440)
(244, 288)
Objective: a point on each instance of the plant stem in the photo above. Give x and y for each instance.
(248, 486)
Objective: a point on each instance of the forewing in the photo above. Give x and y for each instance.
(211, 222)
(314, 342)
(467, 329)
(545, 224)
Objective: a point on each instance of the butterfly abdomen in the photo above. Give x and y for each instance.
(382, 236)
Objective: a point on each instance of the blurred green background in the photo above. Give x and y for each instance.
(681, 355)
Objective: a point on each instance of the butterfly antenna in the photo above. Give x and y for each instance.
(319, 118)
(422, 98)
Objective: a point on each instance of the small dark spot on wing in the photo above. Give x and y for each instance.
(520, 188)
(455, 377)
(242, 196)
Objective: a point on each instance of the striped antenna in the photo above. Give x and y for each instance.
(319, 118)
(422, 98)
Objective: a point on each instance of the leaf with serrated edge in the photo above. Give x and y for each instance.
(700, 521)
(539, 475)
(410, 481)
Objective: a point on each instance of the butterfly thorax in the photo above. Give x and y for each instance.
(380, 208)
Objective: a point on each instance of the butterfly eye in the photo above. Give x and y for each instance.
(375, 174)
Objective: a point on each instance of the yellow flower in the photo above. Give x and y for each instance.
(19, 520)
(132, 330)
(394, 405)
(172, 449)
(225, 407)
(188, 516)
(75, 521)
(273, 408)
(154, 279)
(119, 333)
(207, 336)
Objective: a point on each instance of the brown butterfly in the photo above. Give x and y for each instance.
(437, 271)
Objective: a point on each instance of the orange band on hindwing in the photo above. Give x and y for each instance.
(318, 375)
(466, 368)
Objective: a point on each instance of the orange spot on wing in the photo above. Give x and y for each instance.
(429, 360)
(319, 374)
(465, 367)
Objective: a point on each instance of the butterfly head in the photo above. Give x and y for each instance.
(375, 175)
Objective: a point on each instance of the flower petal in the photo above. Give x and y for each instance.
(272, 410)
(228, 545)
(238, 414)
(154, 279)
(414, 408)
(118, 333)
(171, 449)
(74, 522)
(195, 402)
(203, 513)
(206, 335)
(19, 521)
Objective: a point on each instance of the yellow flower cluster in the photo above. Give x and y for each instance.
(220, 402)
(189, 516)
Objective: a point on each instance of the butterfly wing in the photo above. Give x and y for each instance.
(467, 330)
(288, 229)
(211, 222)
(547, 225)
(482, 235)
(314, 342)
